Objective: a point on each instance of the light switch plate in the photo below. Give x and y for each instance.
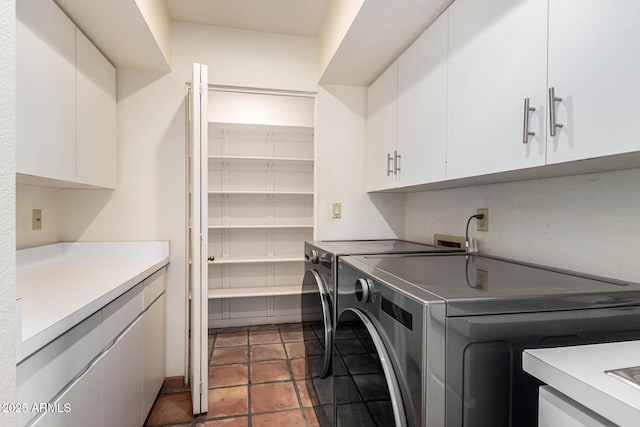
(336, 210)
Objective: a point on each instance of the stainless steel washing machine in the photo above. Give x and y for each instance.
(318, 309)
(453, 328)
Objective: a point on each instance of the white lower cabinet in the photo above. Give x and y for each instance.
(41, 376)
(153, 367)
(80, 405)
(122, 379)
(557, 410)
(106, 371)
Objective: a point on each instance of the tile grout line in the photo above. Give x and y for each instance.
(249, 383)
(293, 379)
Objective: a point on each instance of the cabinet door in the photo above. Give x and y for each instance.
(556, 409)
(96, 124)
(80, 405)
(594, 67)
(122, 380)
(497, 58)
(381, 134)
(153, 366)
(45, 91)
(422, 107)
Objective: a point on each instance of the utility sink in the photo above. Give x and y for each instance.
(629, 375)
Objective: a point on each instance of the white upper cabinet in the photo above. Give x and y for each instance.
(381, 130)
(497, 58)
(594, 66)
(96, 126)
(45, 91)
(422, 107)
(66, 104)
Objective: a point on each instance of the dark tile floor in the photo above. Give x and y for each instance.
(256, 379)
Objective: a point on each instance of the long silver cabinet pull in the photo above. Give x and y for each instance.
(389, 160)
(552, 111)
(396, 162)
(526, 133)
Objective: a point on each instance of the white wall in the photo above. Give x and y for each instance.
(7, 208)
(157, 18)
(149, 203)
(587, 223)
(29, 197)
(336, 24)
(340, 171)
(245, 58)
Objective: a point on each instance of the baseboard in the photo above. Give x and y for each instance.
(253, 321)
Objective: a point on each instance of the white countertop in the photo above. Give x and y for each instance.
(579, 373)
(60, 285)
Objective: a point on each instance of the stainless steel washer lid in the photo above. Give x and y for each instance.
(364, 247)
(480, 285)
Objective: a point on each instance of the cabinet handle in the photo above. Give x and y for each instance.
(396, 162)
(526, 133)
(389, 160)
(552, 111)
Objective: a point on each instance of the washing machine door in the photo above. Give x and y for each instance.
(366, 390)
(317, 323)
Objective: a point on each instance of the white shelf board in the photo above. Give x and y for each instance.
(255, 260)
(259, 226)
(263, 291)
(268, 159)
(258, 193)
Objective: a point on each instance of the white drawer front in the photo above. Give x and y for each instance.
(154, 285)
(120, 313)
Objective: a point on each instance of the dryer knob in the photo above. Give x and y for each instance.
(363, 289)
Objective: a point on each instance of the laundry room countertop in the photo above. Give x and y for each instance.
(579, 373)
(58, 286)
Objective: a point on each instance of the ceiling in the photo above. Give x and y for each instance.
(290, 17)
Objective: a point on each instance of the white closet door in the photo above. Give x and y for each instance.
(497, 58)
(594, 66)
(198, 274)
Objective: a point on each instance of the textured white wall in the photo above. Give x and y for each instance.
(340, 171)
(7, 208)
(149, 203)
(588, 223)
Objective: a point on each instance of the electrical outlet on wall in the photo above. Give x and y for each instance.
(483, 224)
(36, 219)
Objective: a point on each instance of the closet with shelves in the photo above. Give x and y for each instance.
(260, 190)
